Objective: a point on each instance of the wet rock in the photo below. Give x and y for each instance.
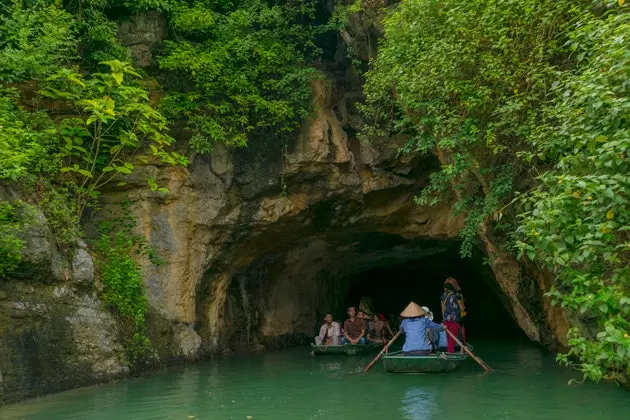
(142, 33)
(52, 339)
(189, 342)
(82, 265)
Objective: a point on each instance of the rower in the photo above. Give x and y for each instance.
(414, 326)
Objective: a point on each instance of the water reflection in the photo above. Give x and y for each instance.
(420, 404)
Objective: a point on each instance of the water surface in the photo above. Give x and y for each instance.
(292, 385)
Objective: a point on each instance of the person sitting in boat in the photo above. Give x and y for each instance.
(438, 341)
(452, 308)
(378, 333)
(353, 328)
(381, 316)
(329, 332)
(414, 326)
(367, 319)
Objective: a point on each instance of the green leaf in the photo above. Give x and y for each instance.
(118, 77)
(122, 170)
(85, 173)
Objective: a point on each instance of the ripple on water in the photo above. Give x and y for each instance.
(292, 385)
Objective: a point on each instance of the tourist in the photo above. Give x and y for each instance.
(329, 332)
(381, 316)
(452, 307)
(462, 315)
(415, 325)
(367, 319)
(378, 332)
(439, 341)
(353, 328)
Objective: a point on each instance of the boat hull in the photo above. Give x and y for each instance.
(433, 363)
(345, 349)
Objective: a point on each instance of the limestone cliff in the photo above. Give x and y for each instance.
(254, 241)
(54, 332)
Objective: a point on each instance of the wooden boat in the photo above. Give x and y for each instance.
(432, 363)
(345, 349)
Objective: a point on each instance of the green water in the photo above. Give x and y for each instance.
(292, 385)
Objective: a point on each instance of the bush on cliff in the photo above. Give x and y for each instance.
(525, 104)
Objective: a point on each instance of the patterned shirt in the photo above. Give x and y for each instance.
(451, 307)
(329, 335)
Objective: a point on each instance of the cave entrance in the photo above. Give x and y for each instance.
(281, 298)
(390, 287)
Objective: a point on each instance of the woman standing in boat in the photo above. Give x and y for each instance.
(452, 310)
(462, 308)
(414, 326)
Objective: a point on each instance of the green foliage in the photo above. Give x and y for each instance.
(61, 209)
(144, 5)
(36, 38)
(526, 106)
(115, 126)
(104, 126)
(27, 140)
(578, 224)
(123, 286)
(241, 68)
(465, 81)
(14, 217)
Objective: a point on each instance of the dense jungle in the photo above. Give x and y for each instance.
(186, 179)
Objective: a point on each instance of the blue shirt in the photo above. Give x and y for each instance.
(415, 330)
(442, 342)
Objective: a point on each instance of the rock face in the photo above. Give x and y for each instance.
(256, 240)
(54, 332)
(142, 33)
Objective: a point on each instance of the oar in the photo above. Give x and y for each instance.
(470, 353)
(378, 356)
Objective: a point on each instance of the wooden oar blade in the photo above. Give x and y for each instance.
(470, 353)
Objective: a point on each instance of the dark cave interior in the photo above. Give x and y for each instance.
(391, 288)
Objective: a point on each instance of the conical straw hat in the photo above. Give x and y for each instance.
(412, 310)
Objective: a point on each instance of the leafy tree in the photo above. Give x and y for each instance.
(578, 224)
(525, 104)
(241, 68)
(27, 140)
(465, 81)
(115, 126)
(35, 40)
